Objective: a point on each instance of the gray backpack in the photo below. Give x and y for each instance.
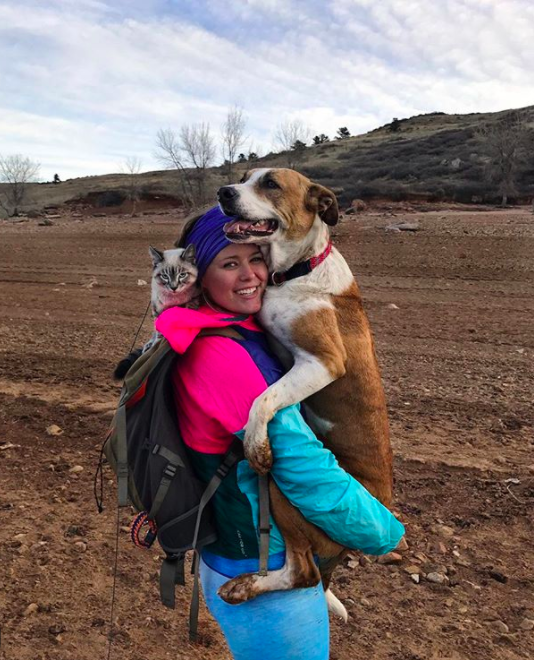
(146, 451)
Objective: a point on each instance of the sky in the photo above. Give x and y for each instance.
(86, 84)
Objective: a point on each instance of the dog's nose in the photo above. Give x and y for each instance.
(226, 193)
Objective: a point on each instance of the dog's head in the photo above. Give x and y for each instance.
(273, 204)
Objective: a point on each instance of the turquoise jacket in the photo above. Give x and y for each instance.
(312, 480)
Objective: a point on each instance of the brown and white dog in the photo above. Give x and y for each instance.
(319, 319)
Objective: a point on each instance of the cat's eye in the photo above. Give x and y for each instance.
(163, 277)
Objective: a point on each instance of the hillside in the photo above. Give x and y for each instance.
(431, 157)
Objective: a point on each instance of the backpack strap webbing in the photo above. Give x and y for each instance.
(173, 462)
(265, 523)
(228, 331)
(122, 457)
(232, 456)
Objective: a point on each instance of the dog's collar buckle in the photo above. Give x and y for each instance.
(299, 269)
(277, 278)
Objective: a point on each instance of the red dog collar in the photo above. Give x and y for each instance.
(298, 270)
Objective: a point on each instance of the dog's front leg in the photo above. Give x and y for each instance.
(308, 375)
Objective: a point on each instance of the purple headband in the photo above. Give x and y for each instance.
(208, 237)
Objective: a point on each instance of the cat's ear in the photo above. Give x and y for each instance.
(189, 254)
(157, 256)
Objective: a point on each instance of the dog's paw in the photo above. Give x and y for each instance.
(259, 455)
(239, 589)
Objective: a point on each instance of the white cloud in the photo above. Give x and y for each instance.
(90, 82)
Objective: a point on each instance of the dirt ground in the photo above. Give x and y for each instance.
(452, 309)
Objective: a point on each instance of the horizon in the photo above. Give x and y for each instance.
(91, 82)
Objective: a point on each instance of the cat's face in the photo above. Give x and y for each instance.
(174, 272)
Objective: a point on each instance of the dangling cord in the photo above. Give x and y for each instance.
(99, 498)
(117, 527)
(111, 633)
(140, 326)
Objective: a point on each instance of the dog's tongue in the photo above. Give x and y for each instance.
(235, 227)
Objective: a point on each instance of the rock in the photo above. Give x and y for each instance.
(37, 546)
(364, 602)
(442, 530)
(358, 205)
(80, 546)
(421, 557)
(391, 306)
(8, 445)
(498, 576)
(364, 561)
(90, 283)
(437, 578)
(403, 543)
(439, 548)
(53, 430)
(390, 558)
(499, 627)
(20, 537)
(403, 226)
(412, 570)
(76, 469)
(46, 223)
(142, 283)
(32, 608)
(463, 562)
(415, 577)
(56, 629)
(526, 624)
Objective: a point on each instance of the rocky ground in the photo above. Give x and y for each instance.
(451, 305)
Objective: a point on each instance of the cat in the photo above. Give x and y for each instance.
(174, 278)
(174, 284)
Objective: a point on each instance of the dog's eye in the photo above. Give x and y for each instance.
(271, 183)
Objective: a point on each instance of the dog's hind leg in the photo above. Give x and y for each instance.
(302, 540)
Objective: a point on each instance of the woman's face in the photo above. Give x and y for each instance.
(236, 279)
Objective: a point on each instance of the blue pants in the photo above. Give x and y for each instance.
(281, 625)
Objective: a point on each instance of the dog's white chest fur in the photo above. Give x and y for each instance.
(287, 306)
(284, 305)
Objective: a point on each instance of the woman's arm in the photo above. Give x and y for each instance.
(310, 477)
(220, 382)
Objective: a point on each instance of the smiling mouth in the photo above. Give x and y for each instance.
(240, 229)
(250, 291)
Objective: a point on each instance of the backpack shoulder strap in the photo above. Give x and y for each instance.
(228, 331)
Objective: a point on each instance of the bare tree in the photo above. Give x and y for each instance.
(16, 171)
(169, 153)
(233, 137)
(291, 136)
(132, 168)
(505, 143)
(198, 146)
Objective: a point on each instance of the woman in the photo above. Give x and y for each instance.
(216, 381)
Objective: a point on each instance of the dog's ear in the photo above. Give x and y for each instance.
(324, 203)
